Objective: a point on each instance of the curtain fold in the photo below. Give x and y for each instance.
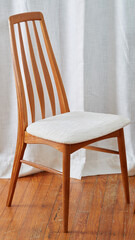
(94, 44)
(109, 50)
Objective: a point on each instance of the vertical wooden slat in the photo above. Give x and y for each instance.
(45, 71)
(36, 73)
(27, 76)
(57, 77)
(22, 109)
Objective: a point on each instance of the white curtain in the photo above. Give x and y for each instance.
(94, 44)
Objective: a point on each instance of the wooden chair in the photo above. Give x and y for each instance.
(66, 132)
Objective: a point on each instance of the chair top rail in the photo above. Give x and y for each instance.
(23, 17)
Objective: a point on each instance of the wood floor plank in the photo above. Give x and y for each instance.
(106, 218)
(129, 223)
(117, 232)
(72, 236)
(75, 197)
(97, 209)
(3, 194)
(3, 183)
(56, 221)
(130, 228)
(82, 213)
(9, 212)
(21, 206)
(39, 213)
(87, 194)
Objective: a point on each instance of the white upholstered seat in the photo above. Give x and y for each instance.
(75, 127)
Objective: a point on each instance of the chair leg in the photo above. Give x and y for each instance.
(20, 148)
(123, 162)
(66, 188)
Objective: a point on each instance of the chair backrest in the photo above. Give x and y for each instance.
(22, 108)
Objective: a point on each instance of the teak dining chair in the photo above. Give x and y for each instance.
(66, 132)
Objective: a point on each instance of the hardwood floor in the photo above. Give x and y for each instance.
(97, 209)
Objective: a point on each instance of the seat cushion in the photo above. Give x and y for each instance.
(75, 127)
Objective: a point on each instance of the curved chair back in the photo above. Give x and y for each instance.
(22, 108)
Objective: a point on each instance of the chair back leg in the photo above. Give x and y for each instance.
(66, 188)
(123, 163)
(20, 148)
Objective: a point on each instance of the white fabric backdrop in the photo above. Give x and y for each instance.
(94, 44)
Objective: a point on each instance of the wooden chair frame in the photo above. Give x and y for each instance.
(24, 137)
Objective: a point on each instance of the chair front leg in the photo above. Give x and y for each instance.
(20, 148)
(66, 187)
(123, 162)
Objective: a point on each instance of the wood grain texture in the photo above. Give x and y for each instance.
(56, 73)
(45, 71)
(97, 209)
(118, 228)
(20, 148)
(66, 187)
(27, 76)
(129, 222)
(95, 203)
(24, 138)
(7, 225)
(76, 146)
(101, 149)
(36, 227)
(106, 216)
(23, 17)
(123, 162)
(21, 101)
(41, 167)
(36, 140)
(36, 73)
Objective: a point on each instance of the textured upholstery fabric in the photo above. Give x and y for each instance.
(75, 127)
